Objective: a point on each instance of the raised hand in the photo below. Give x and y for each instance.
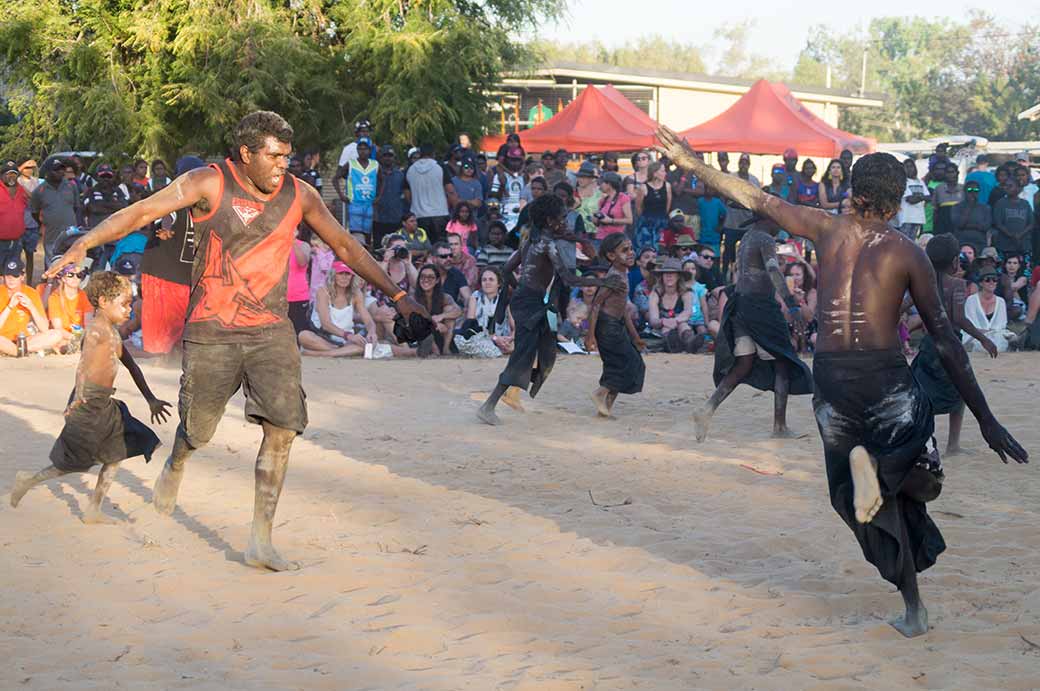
(675, 148)
(1001, 441)
(73, 256)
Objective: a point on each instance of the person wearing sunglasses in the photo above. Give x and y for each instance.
(67, 305)
(707, 266)
(987, 311)
(22, 314)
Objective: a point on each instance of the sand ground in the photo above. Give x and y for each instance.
(441, 554)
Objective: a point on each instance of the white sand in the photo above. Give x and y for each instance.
(442, 554)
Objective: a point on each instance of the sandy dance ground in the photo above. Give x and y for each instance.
(441, 554)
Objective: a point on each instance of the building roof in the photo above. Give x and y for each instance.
(686, 80)
(1030, 113)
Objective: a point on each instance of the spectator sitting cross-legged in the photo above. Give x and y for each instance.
(397, 263)
(700, 320)
(488, 313)
(987, 311)
(338, 308)
(67, 306)
(496, 252)
(452, 280)
(443, 310)
(298, 291)
(676, 228)
(464, 262)
(22, 313)
(671, 306)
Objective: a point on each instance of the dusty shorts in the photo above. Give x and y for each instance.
(743, 344)
(268, 370)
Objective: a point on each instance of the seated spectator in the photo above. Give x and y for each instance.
(67, 306)
(488, 313)
(443, 310)
(676, 228)
(702, 315)
(576, 326)
(671, 306)
(466, 263)
(683, 248)
(452, 280)
(322, 258)
(464, 225)
(496, 252)
(397, 264)
(23, 314)
(801, 282)
(707, 272)
(988, 313)
(1014, 287)
(338, 308)
(414, 236)
(298, 290)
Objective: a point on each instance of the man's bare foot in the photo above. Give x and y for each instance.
(164, 496)
(785, 432)
(487, 415)
(267, 557)
(913, 623)
(94, 516)
(599, 397)
(23, 481)
(701, 420)
(867, 492)
(512, 399)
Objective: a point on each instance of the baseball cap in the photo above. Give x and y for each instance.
(677, 213)
(8, 167)
(341, 268)
(366, 141)
(13, 267)
(779, 168)
(414, 151)
(387, 150)
(125, 267)
(790, 153)
(588, 169)
(454, 147)
(56, 164)
(28, 163)
(105, 171)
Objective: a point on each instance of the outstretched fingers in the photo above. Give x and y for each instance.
(1015, 450)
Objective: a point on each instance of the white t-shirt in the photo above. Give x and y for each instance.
(1028, 193)
(349, 153)
(912, 213)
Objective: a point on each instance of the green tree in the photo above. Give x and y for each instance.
(646, 52)
(163, 76)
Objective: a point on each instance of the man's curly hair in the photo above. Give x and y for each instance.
(108, 285)
(878, 181)
(254, 129)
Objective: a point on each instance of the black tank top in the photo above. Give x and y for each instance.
(240, 275)
(172, 260)
(655, 202)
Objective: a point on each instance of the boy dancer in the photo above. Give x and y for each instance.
(99, 428)
(612, 332)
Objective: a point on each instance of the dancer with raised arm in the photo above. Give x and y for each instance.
(874, 419)
(245, 210)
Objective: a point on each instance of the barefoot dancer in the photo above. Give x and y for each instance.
(754, 343)
(874, 419)
(944, 253)
(99, 428)
(535, 301)
(245, 212)
(612, 332)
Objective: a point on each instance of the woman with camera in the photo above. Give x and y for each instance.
(615, 207)
(397, 264)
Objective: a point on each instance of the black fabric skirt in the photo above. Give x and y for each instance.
(623, 367)
(100, 431)
(932, 377)
(871, 399)
(761, 318)
(534, 344)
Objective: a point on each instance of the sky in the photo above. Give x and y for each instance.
(779, 36)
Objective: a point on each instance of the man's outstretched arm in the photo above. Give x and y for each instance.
(349, 250)
(803, 221)
(197, 187)
(955, 360)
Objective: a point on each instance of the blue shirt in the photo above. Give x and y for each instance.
(361, 182)
(697, 317)
(711, 211)
(987, 183)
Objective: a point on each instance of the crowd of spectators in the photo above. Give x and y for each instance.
(444, 226)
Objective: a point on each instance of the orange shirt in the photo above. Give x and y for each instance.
(19, 317)
(70, 312)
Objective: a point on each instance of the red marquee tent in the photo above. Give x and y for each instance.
(768, 120)
(599, 119)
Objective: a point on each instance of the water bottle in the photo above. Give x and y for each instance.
(23, 345)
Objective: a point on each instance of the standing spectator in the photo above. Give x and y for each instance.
(362, 130)
(972, 220)
(737, 217)
(640, 173)
(131, 190)
(535, 189)
(13, 203)
(588, 192)
(834, 186)
(916, 195)
(360, 194)
(512, 142)
(463, 225)
(723, 160)
(998, 193)
(22, 313)
(615, 207)
(791, 168)
(298, 291)
(453, 164)
(713, 218)
(429, 187)
(549, 171)
(574, 221)
(159, 178)
(29, 179)
(141, 173)
(807, 190)
(55, 206)
(462, 260)
(1012, 221)
(311, 173)
(507, 185)
(67, 305)
(166, 268)
(984, 177)
(496, 252)
(944, 197)
(1027, 189)
(562, 158)
(451, 280)
(468, 188)
(610, 162)
(389, 206)
(653, 202)
(102, 201)
(78, 173)
(846, 161)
